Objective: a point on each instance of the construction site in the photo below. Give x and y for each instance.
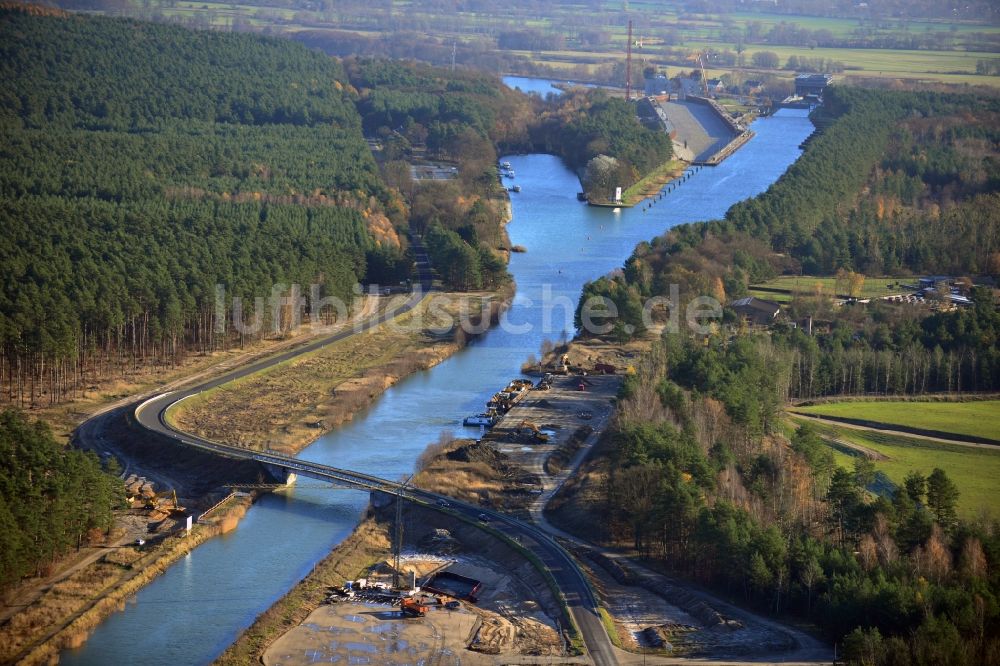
(458, 596)
(446, 588)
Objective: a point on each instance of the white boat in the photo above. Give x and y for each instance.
(484, 419)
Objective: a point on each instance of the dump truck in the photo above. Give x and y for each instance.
(413, 608)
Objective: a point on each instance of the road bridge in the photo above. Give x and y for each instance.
(572, 584)
(570, 580)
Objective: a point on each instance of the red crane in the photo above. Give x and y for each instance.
(628, 64)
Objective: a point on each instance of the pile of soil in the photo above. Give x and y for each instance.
(481, 452)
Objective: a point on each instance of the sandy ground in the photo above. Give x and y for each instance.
(368, 633)
(558, 412)
(290, 405)
(502, 622)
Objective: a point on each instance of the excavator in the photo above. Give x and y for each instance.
(165, 502)
(530, 432)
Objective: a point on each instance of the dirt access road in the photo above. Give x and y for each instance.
(889, 430)
(560, 409)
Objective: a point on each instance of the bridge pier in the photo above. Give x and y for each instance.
(380, 499)
(281, 475)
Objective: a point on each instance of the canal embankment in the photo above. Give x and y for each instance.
(287, 407)
(67, 612)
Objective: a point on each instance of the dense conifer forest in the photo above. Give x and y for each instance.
(141, 165)
(455, 120)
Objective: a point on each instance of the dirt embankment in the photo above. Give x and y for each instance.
(289, 406)
(477, 473)
(144, 381)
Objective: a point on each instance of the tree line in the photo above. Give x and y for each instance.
(698, 479)
(52, 499)
(898, 183)
(421, 114)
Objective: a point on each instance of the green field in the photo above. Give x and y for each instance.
(978, 418)
(844, 27)
(880, 62)
(974, 470)
(806, 284)
(689, 31)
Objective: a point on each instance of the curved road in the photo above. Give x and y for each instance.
(572, 583)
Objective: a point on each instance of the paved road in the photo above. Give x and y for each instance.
(572, 583)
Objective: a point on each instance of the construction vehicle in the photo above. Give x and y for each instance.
(165, 502)
(530, 432)
(413, 608)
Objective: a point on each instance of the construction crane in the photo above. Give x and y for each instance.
(628, 64)
(397, 546)
(699, 57)
(704, 79)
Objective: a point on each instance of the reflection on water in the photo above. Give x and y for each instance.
(192, 612)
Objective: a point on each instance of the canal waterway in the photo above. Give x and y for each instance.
(194, 610)
(529, 85)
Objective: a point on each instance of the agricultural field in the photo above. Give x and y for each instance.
(953, 66)
(974, 470)
(806, 284)
(770, 296)
(952, 56)
(978, 418)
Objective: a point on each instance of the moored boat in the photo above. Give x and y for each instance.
(485, 419)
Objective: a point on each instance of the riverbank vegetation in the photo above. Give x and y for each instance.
(450, 122)
(700, 470)
(68, 611)
(837, 210)
(288, 406)
(600, 138)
